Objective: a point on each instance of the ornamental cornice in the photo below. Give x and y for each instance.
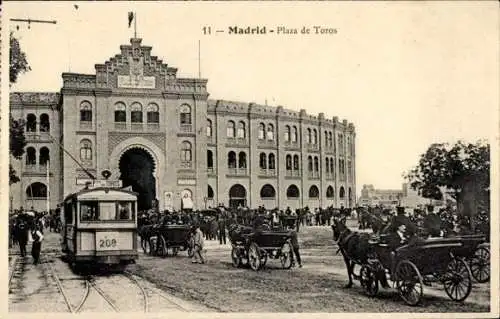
(267, 147)
(235, 145)
(185, 134)
(34, 98)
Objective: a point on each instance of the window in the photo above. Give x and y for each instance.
(329, 192)
(209, 128)
(31, 123)
(36, 190)
(341, 143)
(231, 159)
(326, 138)
(262, 161)
(309, 164)
(342, 192)
(287, 133)
(294, 135)
(349, 170)
(332, 166)
(295, 162)
(313, 192)
(136, 113)
(327, 165)
(153, 114)
(44, 156)
(186, 155)
(292, 191)
(30, 156)
(288, 162)
(85, 112)
(106, 211)
(262, 129)
(120, 112)
(44, 123)
(210, 159)
(309, 136)
(210, 193)
(267, 191)
(270, 132)
(316, 164)
(241, 130)
(330, 139)
(185, 112)
(242, 160)
(86, 150)
(230, 129)
(272, 161)
(315, 137)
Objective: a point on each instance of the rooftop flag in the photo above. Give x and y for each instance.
(130, 18)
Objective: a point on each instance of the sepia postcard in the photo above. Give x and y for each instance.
(250, 159)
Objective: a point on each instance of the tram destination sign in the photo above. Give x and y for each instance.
(99, 183)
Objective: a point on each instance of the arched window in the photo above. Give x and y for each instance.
(349, 170)
(309, 164)
(209, 128)
(230, 129)
(327, 165)
(262, 161)
(210, 192)
(330, 139)
(86, 150)
(186, 155)
(313, 192)
(136, 113)
(242, 160)
(210, 159)
(350, 194)
(30, 156)
(262, 131)
(44, 156)
(330, 192)
(120, 113)
(36, 190)
(231, 159)
(309, 136)
(267, 191)
(326, 138)
(270, 132)
(316, 164)
(272, 161)
(315, 137)
(241, 130)
(153, 113)
(185, 111)
(292, 192)
(44, 123)
(294, 135)
(287, 133)
(332, 166)
(296, 162)
(31, 123)
(85, 112)
(342, 192)
(288, 162)
(341, 143)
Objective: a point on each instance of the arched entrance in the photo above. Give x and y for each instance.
(136, 170)
(237, 196)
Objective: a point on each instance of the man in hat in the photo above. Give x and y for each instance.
(432, 222)
(36, 247)
(198, 243)
(398, 220)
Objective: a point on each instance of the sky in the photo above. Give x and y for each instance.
(406, 74)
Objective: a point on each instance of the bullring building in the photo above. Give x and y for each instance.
(162, 136)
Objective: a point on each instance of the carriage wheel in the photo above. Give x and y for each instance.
(409, 282)
(235, 257)
(254, 257)
(153, 245)
(480, 265)
(368, 280)
(162, 248)
(457, 280)
(286, 256)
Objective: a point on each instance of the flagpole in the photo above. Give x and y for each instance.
(48, 186)
(199, 59)
(135, 25)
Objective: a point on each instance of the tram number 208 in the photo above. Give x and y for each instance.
(107, 243)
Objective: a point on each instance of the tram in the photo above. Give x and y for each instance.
(100, 227)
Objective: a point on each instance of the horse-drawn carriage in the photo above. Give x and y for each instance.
(255, 247)
(170, 237)
(411, 266)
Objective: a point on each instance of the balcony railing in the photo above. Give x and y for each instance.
(292, 173)
(313, 174)
(35, 168)
(237, 171)
(120, 126)
(210, 170)
(312, 147)
(153, 127)
(186, 128)
(85, 125)
(186, 165)
(137, 127)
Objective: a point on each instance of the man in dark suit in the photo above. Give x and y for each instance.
(432, 222)
(400, 219)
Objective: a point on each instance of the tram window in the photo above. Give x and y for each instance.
(125, 210)
(89, 210)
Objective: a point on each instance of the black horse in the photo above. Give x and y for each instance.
(354, 246)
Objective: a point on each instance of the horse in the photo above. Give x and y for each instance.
(354, 246)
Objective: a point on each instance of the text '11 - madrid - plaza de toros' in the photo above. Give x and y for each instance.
(163, 137)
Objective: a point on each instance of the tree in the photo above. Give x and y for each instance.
(18, 64)
(462, 169)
